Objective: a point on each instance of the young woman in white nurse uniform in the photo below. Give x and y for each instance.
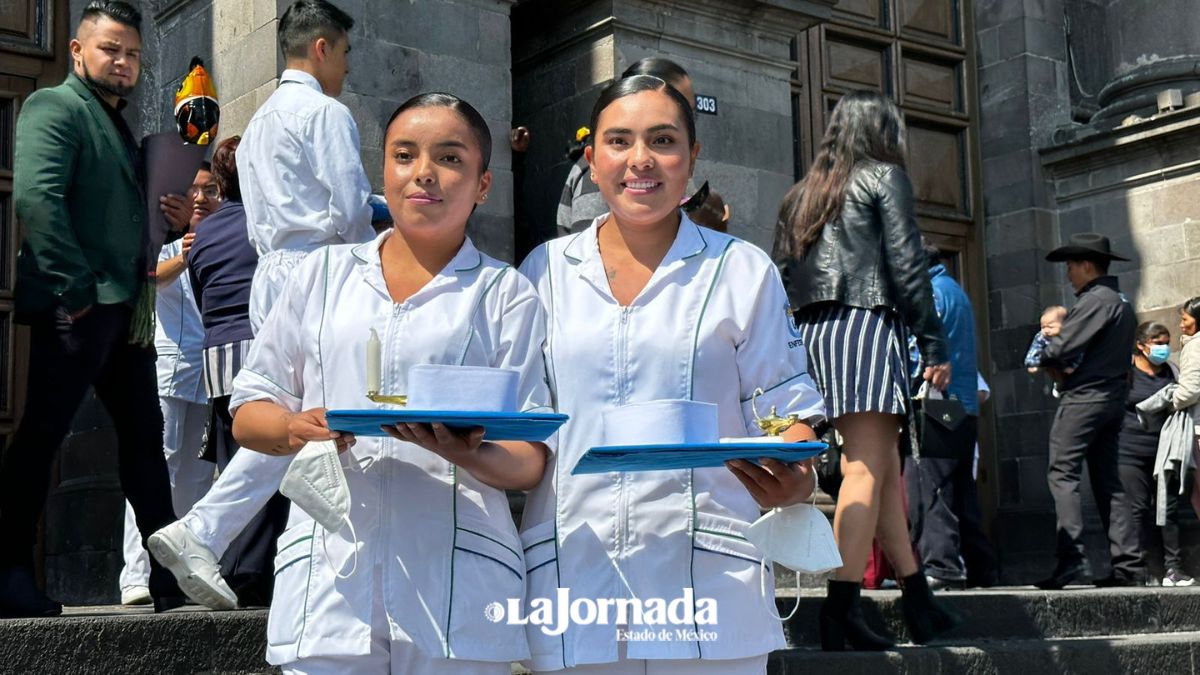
(435, 542)
(646, 305)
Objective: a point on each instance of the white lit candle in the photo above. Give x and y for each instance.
(374, 358)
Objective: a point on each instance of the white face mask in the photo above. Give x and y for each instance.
(316, 483)
(797, 536)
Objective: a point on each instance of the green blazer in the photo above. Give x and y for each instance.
(79, 203)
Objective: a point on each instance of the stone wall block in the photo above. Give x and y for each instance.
(492, 234)
(1010, 270)
(702, 29)
(737, 187)
(1048, 113)
(1014, 390)
(1020, 305)
(993, 13)
(772, 187)
(1050, 11)
(236, 113)
(987, 46)
(1192, 239)
(1011, 168)
(1016, 230)
(1009, 345)
(481, 84)
(447, 28)
(1045, 38)
(1178, 203)
(1109, 217)
(248, 64)
(385, 70)
(759, 150)
(495, 37)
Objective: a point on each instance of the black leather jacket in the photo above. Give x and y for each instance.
(870, 256)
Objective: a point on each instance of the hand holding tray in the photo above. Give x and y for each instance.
(669, 457)
(497, 426)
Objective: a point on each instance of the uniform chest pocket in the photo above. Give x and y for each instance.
(293, 574)
(488, 571)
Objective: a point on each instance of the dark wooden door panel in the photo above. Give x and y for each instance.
(867, 12)
(932, 83)
(937, 20)
(937, 166)
(27, 26)
(856, 64)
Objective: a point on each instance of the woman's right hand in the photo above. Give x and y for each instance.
(310, 425)
(938, 375)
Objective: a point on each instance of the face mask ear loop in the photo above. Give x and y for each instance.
(329, 559)
(770, 602)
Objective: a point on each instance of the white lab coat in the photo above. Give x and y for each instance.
(443, 543)
(711, 325)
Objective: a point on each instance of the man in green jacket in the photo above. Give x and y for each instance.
(81, 277)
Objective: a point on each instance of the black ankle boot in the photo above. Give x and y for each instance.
(926, 617)
(842, 621)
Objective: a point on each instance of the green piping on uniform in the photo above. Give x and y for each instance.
(700, 320)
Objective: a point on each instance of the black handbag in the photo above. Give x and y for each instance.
(829, 465)
(943, 429)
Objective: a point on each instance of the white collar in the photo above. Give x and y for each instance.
(301, 77)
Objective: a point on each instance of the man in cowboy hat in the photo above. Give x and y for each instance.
(1098, 334)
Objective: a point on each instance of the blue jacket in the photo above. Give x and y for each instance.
(958, 324)
(221, 265)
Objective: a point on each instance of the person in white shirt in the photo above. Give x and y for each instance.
(436, 543)
(178, 341)
(645, 305)
(303, 187)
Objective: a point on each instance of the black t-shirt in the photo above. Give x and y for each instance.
(1135, 441)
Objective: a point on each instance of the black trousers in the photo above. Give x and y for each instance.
(1140, 492)
(66, 359)
(248, 565)
(1089, 431)
(945, 519)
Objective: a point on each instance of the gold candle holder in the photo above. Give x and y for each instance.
(772, 424)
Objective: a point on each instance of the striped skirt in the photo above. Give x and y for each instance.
(858, 358)
(221, 365)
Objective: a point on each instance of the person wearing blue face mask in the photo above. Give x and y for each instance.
(1138, 446)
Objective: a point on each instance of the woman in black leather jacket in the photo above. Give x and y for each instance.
(850, 254)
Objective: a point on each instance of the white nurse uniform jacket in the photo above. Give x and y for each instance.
(711, 325)
(435, 544)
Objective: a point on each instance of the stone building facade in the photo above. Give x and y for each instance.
(1072, 141)
(1022, 135)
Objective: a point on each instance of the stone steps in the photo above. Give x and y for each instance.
(1168, 653)
(1010, 630)
(1016, 613)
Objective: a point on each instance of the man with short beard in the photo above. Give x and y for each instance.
(82, 289)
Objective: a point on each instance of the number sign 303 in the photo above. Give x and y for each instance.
(706, 104)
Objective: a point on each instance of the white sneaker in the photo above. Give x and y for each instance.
(1177, 579)
(135, 595)
(195, 567)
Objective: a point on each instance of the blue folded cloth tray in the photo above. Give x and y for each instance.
(607, 458)
(497, 426)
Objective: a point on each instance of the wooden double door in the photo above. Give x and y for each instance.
(33, 54)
